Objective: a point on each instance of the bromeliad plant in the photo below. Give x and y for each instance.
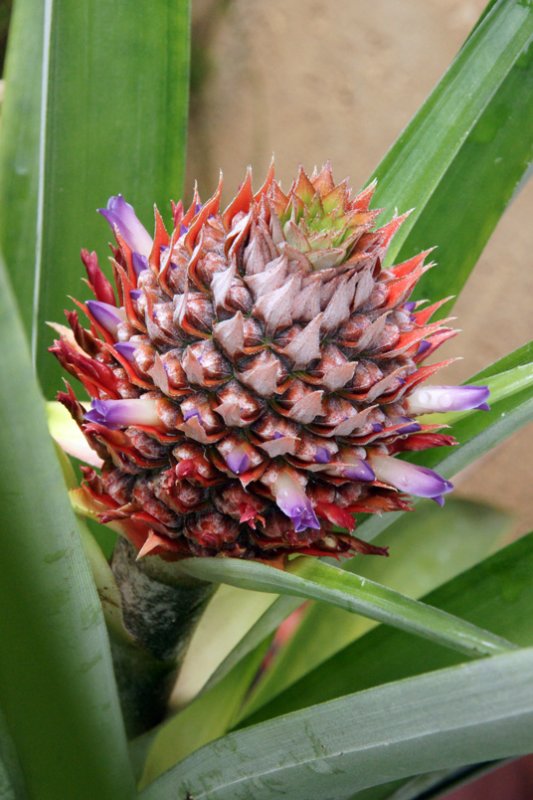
(253, 383)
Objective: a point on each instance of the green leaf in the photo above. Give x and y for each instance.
(462, 156)
(216, 708)
(432, 785)
(498, 593)
(228, 617)
(437, 542)
(468, 713)
(96, 104)
(105, 584)
(519, 357)
(204, 720)
(427, 548)
(11, 779)
(315, 580)
(263, 627)
(57, 689)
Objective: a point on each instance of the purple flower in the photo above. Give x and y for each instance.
(426, 399)
(121, 216)
(140, 263)
(410, 425)
(423, 347)
(192, 412)
(126, 350)
(108, 316)
(322, 455)
(358, 470)
(238, 460)
(410, 478)
(293, 501)
(116, 414)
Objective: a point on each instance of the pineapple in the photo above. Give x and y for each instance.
(255, 373)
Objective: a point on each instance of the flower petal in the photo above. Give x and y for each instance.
(428, 399)
(293, 501)
(140, 263)
(409, 478)
(108, 316)
(238, 460)
(126, 350)
(116, 414)
(121, 215)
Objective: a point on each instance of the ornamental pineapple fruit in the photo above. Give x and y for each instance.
(255, 373)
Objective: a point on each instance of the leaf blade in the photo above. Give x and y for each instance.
(456, 716)
(428, 548)
(499, 593)
(70, 738)
(126, 92)
(315, 580)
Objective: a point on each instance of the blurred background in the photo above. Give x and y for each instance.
(309, 81)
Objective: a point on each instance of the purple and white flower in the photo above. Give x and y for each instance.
(106, 315)
(115, 414)
(410, 478)
(429, 399)
(126, 350)
(238, 460)
(358, 470)
(121, 216)
(140, 263)
(293, 501)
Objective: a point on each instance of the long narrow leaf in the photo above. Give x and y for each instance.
(208, 718)
(444, 719)
(498, 593)
(212, 712)
(228, 617)
(463, 154)
(431, 785)
(433, 543)
(57, 688)
(312, 579)
(11, 779)
(427, 548)
(96, 104)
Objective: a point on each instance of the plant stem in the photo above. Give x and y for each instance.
(161, 619)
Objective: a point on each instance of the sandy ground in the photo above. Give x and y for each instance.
(309, 81)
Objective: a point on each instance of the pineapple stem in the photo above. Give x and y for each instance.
(161, 619)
